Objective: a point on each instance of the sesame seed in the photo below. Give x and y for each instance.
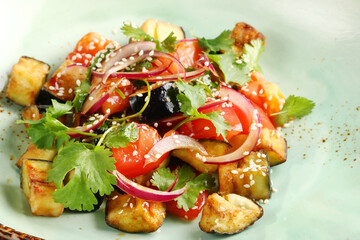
(206, 128)
(263, 173)
(131, 58)
(261, 91)
(258, 155)
(158, 77)
(222, 113)
(270, 97)
(252, 182)
(113, 122)
(70, 90)
(108, 110)
(234, 172)
(121, 211)
(51, 88)
(274, 189)
(241, 176)
(33, 115)
(78, 55)
(73, 58)
(149, 59)
(265, 105)
(246, 153)
(206, 63)
(238, 61)
(78, 82)
(131, 205)
(246, 186)
(141, 52)
(168, 124)
(258, 161)
(251, 177)
(156, 124)
(114, 197)
(266, 201)
(254, 93)
(158, 155)
(146, 156)
(91, 98)
(92, 47)
(125, 204)
(151, 53)
(135, 153)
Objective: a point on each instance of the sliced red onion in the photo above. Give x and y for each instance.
(97, 97)
(246, 106)
(127, 51)
(189, 75)
(170, 143)
(189, 40)
(145, 193)
(204, 62)
(134, 75)
(87, 128)
(173, 184)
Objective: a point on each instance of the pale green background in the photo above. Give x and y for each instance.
(312, 50)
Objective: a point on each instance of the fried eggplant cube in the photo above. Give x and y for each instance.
(274, 145)
(161, 30)
(131, 214)
(37, 190)
(27, 78)
(33, 152)
(243, 33)
(229, 214)
(249, 179)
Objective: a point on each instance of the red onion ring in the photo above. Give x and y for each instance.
(145, 193)
(170, 143)
(87, 128)
(244, 104)
(97, 97)
(133, 75)
(189, 75)
(204, 62)
(173, 184)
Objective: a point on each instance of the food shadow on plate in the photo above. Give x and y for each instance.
(15, 198)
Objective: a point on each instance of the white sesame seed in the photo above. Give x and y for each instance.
(51, 88)
(131, 205)
(91, 98)
(92, 47)
(246, 186)
(206, 128)
(266, 201)
(114, 197)
(274, 189)
(246, 153)
(156, 124)
(261, 91)
(151, 53)
(139, 95)
(234, 172)
(149, 59)
(254, 93)
(263, 173)
(206, 63)
(258, 161)
(121, 211)
(73, 58)
(146, 156)
(135, 153)
(168, 124)
(251, 177)
(141, 52)
(78, 82)
(258, 155)
(265, 105)
(33, 115)
(241, 176)
(252, 182)
(158, 155)
(70, 90)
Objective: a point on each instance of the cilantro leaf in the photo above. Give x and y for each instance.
(191, 97)
(91, 165)
(122, 135)
(59, 109)
(233, 72)
(46, 132)
(163, 178)
(252, 53)
(137, 34)
(221, 42)
(219, 122)
(294, 107)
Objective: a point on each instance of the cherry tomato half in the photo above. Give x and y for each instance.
(192, 213)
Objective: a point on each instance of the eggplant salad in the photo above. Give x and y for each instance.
(162, 124)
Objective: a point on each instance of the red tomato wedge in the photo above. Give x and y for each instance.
(87, 47)
(192, 213)
(130, 160)
(265, 94)
(202, 128)
(115, 102)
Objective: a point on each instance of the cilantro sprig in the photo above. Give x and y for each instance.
(137, 34)
(191, 97)
(163, 178)
(294, 107)
(91, 165)
(221, 42)
(252, 54)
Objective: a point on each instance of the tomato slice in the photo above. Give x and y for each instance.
(115, 102)
(192, 213)
(265, 94)
(265, 120)
(87, 47)
(202, 128)
(130, 159)
(188, 52)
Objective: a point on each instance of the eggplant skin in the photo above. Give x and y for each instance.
(163, 103)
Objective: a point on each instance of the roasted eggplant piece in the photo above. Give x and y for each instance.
(163, 102)
(249, 177)
(243, 33)
(37, 190)
(213, 147)
(274, 145)
(27, 78)
(130, 214)
(33, 152)
(229, 214)
(161, 30)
